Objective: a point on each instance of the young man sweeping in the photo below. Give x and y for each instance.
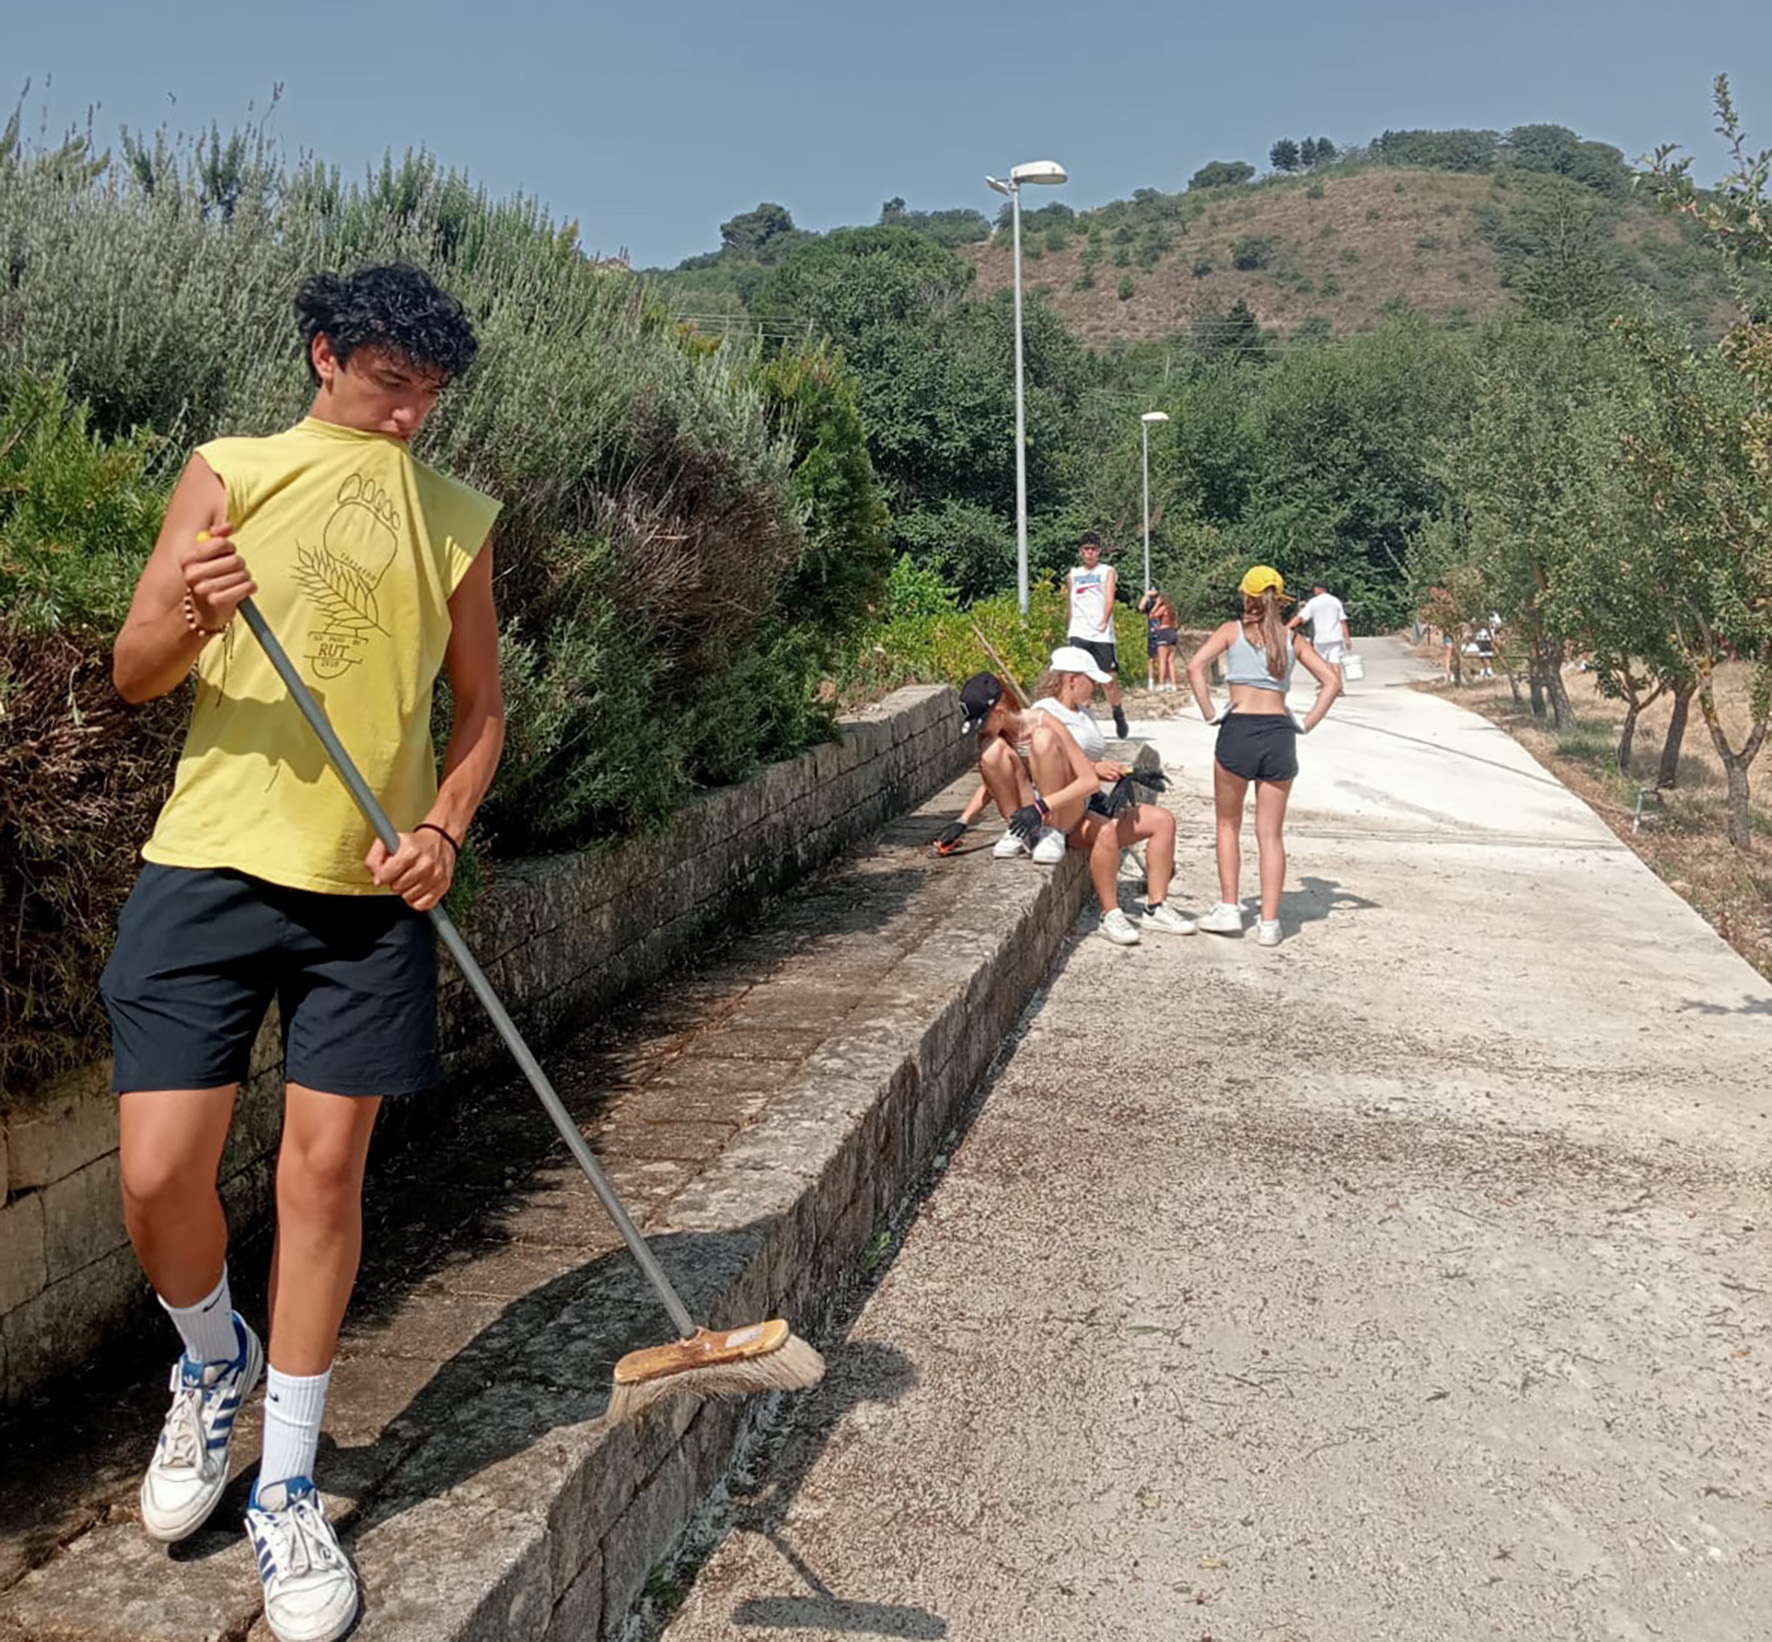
(263, 881)
(1090, 592)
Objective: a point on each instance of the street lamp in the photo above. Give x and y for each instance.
(1043, 171)
(1147, 419)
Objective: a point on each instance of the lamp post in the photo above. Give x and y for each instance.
(1042, 171)
(1147, 419)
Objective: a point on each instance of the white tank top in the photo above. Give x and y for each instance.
(1090, 617)
(1079, 722)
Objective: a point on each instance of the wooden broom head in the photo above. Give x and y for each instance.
(715, 1363)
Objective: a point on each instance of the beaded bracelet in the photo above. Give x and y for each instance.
(195, 625)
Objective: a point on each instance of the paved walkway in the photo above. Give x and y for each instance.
(1410, 1281)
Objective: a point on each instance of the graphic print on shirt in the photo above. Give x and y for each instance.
(342, 573)
(1089, 617)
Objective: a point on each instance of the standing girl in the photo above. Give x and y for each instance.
(1257, 741)
(1164, 636)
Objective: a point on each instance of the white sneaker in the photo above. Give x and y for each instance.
(1115, 926)
(1223, 919)
(1050, 848)
(1008, 847)
(1267, 934)
(1165, 918)
(310, 1585)
(189, 1469)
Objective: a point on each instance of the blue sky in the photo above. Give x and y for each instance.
(651, 124)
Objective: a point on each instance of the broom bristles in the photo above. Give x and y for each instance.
(734, 1363)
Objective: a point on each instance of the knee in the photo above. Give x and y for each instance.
(996, 758)
(156, 1184)
(322, 1167)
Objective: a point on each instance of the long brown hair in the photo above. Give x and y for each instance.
(1264, 611)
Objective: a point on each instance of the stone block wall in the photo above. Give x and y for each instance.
(561, 937)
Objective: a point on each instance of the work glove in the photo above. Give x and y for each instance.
(1150, 780)
(948, 839)
(1125, 792)
(1028, 820)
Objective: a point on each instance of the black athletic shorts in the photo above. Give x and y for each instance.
(201, 953)
(1258, 746)
(1105, 656)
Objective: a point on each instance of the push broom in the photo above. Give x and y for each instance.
(702, 1362)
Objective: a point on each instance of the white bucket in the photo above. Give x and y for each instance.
(1352, 667)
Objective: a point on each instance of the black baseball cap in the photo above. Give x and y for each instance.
(978, 695)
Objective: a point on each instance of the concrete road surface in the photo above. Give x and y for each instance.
(1409, 1280)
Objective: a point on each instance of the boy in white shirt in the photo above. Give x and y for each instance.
(1328, 618)
(1090, 589)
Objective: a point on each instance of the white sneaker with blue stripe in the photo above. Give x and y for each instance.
(310, 1585)
(189, 1469)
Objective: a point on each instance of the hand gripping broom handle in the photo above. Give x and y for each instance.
(476, 977)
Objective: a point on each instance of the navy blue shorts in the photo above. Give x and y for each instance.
(1258, 746)
(201, 953)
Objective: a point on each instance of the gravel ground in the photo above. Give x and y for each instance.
(1407, 1281)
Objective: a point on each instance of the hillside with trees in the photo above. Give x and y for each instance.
(1329, 239)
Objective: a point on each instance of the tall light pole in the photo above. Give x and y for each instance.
(1148, 418)
(1045, 171)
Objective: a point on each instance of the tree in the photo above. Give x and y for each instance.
(1557, 150)
(1221, 174)
(1284, 155)
(1236, 332)
(934, 373)
(1557, 250)
(1698, 506)
(846, 546)
(760, 235)
(1253, 251)
(1326, 151)
(1521, 481)
(1460, 150)
(1344, 440)
(1307, 153)
(1737, 216)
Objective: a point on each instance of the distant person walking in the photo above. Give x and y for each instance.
(1090, 622)
(1331, 637)
(1257, 741)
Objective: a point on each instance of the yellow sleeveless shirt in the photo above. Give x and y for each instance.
(356, 548)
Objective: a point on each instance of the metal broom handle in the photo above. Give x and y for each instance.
(476, 977)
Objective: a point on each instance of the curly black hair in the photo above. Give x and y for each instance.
(395, 306)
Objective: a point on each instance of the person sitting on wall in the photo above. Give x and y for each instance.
(1039, 777)
(1064, 690)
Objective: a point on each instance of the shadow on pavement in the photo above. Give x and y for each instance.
(1747, 1006)
(1316, 899)
(865, 1371)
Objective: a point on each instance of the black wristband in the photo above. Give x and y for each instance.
(431, 826)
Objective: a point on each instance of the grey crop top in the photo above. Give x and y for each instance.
(1244, 664)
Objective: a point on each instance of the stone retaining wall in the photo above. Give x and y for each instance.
(561, 938)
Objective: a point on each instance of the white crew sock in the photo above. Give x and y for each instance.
(294, 1405)
(207, 1328)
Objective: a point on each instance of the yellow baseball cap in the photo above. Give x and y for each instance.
(1259, 578)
